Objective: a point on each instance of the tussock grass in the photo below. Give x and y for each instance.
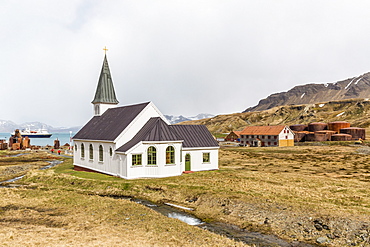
(60, 218)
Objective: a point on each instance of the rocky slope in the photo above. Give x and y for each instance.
(356, 112)
(352, 88)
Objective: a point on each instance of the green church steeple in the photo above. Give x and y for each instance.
(105, 93)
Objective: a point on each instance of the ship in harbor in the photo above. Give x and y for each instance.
(41, 133)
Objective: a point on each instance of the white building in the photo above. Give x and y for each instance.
(136, 141)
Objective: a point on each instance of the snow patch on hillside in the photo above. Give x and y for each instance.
(358, 80)
(349, 84)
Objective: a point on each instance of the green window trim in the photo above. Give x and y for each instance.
(206, 158)
(136, 160)
(152, 156)
(170, 155)
(91, 152)
(82, 150)
(101, 154)
(110, 152)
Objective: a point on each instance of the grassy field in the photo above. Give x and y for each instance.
(298, 193)
(61, 207)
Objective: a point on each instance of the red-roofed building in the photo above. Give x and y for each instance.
(267, 136)
(234, 136)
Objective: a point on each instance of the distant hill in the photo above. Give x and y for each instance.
(352, 88)
(357, 112)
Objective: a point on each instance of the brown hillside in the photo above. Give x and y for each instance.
(355, 111)
(352, 88)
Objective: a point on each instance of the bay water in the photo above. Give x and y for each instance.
(62, 137)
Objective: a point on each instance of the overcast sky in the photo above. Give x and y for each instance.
(187, 57)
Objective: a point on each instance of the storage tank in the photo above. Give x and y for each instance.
(336, 126)
(312, 127)
(320, 137)
(328, 133)
(355, 132)
(300, 136)
(299, 127)
(341, 137)
(310, 137)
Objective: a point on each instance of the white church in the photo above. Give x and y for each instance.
(136, 141)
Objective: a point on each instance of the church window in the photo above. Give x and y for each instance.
(91, 150)
(82, 151)
(206, 158)
(136, 159)
(75, 147)
(101, 153)
(110, 152)
(97, 110)
(170, 155)
(152, 156)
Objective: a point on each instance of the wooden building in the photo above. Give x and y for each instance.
(267, 136)
(234, 136)
(136, 141)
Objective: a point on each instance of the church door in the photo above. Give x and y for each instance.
(187, 162)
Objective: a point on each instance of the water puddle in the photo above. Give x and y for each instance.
(169, 211)
(190, 220)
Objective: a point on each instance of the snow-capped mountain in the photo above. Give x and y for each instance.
(201, 116)
(35, 126)
(178, 119)
(7, 126)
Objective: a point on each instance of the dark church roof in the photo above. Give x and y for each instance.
(154, 130)
(157, 130)
(111, 124)
(195, 136)
(105, 90)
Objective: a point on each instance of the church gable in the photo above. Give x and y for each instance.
(154, 130)
(111, 124)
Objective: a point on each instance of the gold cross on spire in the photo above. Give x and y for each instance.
(105, 50)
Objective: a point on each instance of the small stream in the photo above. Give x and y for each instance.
(9, 181)
(16, 155)
(228, 230)
(178, 212)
